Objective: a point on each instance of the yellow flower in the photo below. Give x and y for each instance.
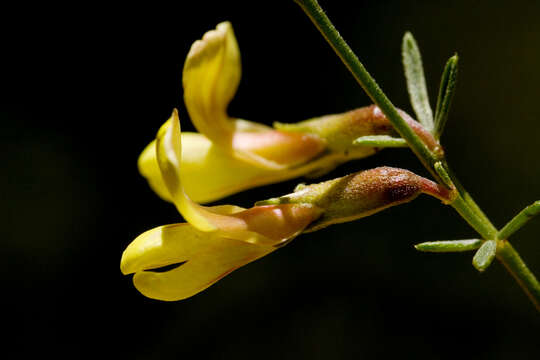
(214, 241)
(230, 154)
(217, 240)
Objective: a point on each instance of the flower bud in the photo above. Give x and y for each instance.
(361, 194)
(339, 131)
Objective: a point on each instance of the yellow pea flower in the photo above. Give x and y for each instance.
(229, 154)
(215, 240)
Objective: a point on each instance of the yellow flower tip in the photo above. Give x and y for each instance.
(158, 247)
(169, 158)
(211, 76)
(210, 42)
(203, 258)
(283, 148)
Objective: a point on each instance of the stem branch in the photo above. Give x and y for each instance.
(519, 220)
(511, 260)
(463, 203)
(325, 26)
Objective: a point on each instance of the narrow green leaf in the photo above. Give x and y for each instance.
(519, 220)
(416, 82)
(446, 94)
(449, 246)
(485, 255)
(380, 141)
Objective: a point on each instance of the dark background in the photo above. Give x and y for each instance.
(85, 89)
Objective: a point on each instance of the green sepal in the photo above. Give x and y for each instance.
(380, 141)
(416, 82)
(485, 255)
(449, 246)
(446, 94)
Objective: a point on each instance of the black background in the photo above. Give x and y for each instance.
(85, 89)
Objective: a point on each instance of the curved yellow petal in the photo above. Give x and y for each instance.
(149, 168)
(169, 157)
(209, 173)
(163, 245)
(211, 76)
(208, 257)
(219, 258)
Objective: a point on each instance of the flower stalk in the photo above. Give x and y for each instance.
(463, 202)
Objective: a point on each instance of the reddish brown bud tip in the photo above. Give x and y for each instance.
(362, 194)
(427, 137)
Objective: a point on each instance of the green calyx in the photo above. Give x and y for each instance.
(361, 194)
(340, 130)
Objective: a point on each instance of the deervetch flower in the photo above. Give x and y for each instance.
(217, 240)
(214, 241)
(229, 154)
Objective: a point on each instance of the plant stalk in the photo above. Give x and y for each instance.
(463, 203)
(349, 58)
(511, 260)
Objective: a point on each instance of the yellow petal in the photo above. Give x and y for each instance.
(210, 173)
(206, 257)
(163, 246)
(211, 76)
(169, 158)
(149, 168)
(209, 257)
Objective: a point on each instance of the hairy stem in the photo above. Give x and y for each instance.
(511, 260)
(325, 26)
(463, 203)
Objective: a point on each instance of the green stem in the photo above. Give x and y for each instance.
(510, 258)
(463, 203)
(325, 26)
(481, 224)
